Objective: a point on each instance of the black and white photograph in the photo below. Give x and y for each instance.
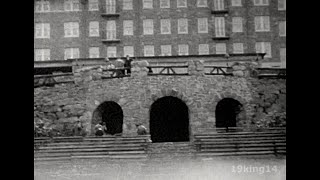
(159, 90)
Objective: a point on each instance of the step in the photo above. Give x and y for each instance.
(115, 138)
(238, 133)
(88, 150)
(95, 146)
(242, 149)
(125, 152)
(93, 143)
(235, 153)
(242, 139)
(128, 156)
(241, 142)
(80, 139)
(52, 158)
(70, 154)
(240, 136)
(242, 145)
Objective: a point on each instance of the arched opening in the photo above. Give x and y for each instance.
(169, 120)
(227, 111)
(111, 113)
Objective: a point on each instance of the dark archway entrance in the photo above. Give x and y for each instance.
(227, 111)
(169, 120)
(111, 113)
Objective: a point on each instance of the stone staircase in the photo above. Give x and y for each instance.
(171, 150)
(240, 143)
(137, 147)
(107, 147)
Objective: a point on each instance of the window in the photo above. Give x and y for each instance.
(147, 26)
(147, 4)
(282, 28)
(128, 27)
(111, 51)
(111, 30)
(71, 53)
(218, 5)
(221, 48)
(128, 50)
(110, 6)
(164, 3)
(181, 3)
(283, 57)
(236, 2)
(42, 30)
(281, 5)
(262, 23)
(183, 49)
(42, 6)
(94, 52)
(264, 47)
(183, 26)
(203, 49)
(219, 27)
(42, 54)
(261, 2)
(165, 26)
(127, 5)
(202, 25)
(71, 5)
(148, 50)
(201, 3)
(93, 5)
(94, 29)
(238, 48)
(237, 24)
(165, 50)
(71, 29)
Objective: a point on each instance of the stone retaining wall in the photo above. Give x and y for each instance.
(62, 105)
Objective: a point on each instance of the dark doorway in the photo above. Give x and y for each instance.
(111, 113)
(169, 120)
(227, 111)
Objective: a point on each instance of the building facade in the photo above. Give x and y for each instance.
(68, 29)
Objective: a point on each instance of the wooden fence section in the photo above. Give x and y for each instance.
(51, 79)
(272, 73)
(168, 70)
(218, 70)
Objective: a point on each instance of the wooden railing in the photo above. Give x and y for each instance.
(167, 70)
(219, 70)
(49, 80)
(272, 72)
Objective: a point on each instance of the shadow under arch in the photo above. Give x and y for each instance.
(111, 113)
(227, 111)
(169, 120)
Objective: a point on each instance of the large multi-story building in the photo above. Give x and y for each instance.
(67, 29)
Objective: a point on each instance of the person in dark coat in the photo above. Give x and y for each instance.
(77, 130)
(127, 64)
(104, 127)
(98, 129)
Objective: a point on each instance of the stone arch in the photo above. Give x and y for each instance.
(111, 113)
(169, 92)
(169, 120)
(227, 111)
(218, 97)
